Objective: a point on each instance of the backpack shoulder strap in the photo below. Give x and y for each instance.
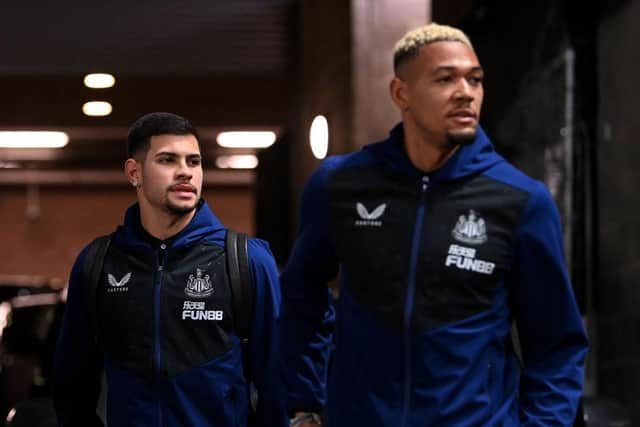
(242, 296)
(91, 271)
(241, 284)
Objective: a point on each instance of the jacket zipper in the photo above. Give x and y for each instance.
(156, 313)
(408, 306)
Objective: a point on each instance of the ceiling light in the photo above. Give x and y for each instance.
(96, 108)
(99, 80)
(33, 139)
(237, 161)
(246, 139)
(9, 165)
(319, 137)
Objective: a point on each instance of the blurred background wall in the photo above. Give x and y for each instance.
(44, 232)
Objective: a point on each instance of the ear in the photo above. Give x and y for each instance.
(133, 172)
(398, 92)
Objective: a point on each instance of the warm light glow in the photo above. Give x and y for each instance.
(5, 313)
(96, 108)
(9, 165)
(319, 137)
(33, 139)
(11, 415)
(237, 161)
(246, 139)
(99, 80)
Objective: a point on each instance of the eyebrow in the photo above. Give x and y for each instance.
(453, 68)
(172, 154)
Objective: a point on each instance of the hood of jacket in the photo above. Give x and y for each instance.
(472, 158)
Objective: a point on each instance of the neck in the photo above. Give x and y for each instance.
(425, 151)
(163, 225)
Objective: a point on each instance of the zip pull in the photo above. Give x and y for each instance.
(425, 183)
(162, 256)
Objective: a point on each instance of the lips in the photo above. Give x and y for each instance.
(463, 113)
(185, 190)
(463, 117)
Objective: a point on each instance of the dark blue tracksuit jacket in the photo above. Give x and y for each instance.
(164, 326)
(434, 269)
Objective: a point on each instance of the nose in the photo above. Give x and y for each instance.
(464, 90)
(183, 172)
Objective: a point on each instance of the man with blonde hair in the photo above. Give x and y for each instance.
(441, 245)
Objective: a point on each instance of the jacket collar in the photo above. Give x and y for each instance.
(469, 159)
(203, 225)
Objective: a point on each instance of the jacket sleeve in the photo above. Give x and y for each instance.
(263, 349)
(308, 316)
(550, 329)
(78, 363)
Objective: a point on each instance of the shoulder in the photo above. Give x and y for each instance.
(259, 249)
(539, 203)
(90, 250)
(328, 166)
(508, 174)
(339, 162)
(260, 255)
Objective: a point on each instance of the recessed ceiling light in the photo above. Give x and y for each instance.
(237, 161)
(33, 139)
(96, 108)
(99, 80)
(319, 137)
(246, 139)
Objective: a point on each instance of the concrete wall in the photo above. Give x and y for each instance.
(618, 284)
(376, 27)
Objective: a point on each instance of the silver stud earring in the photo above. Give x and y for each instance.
(135, 184)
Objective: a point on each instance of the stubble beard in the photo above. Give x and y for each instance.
(461, 138)
(175, 210)
(180, 210)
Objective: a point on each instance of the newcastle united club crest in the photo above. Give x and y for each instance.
(470, 229)
(199, 286)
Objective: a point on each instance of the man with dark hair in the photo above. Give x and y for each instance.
(153, 124)
(162, 323)
(441, 244)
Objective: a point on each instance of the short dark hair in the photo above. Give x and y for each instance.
(158, 123)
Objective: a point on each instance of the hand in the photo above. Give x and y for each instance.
(306, 419)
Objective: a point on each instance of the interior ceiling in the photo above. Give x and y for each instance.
(222, 64)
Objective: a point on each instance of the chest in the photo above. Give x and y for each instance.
(451, 243)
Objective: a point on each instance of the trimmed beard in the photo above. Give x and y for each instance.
(461, 138)
(181, 210)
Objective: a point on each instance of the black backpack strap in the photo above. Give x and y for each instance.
(91, 271)
(242, 291)
(241, 283)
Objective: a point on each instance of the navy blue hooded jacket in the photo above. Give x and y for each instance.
(434, 269)
(165, 332)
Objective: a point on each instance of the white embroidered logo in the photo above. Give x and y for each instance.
(470, 229)
(369, 219)
(118, 285)
(464, 258)
(196, 310)
(198, 286)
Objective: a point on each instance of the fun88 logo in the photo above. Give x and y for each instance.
(196, 310)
